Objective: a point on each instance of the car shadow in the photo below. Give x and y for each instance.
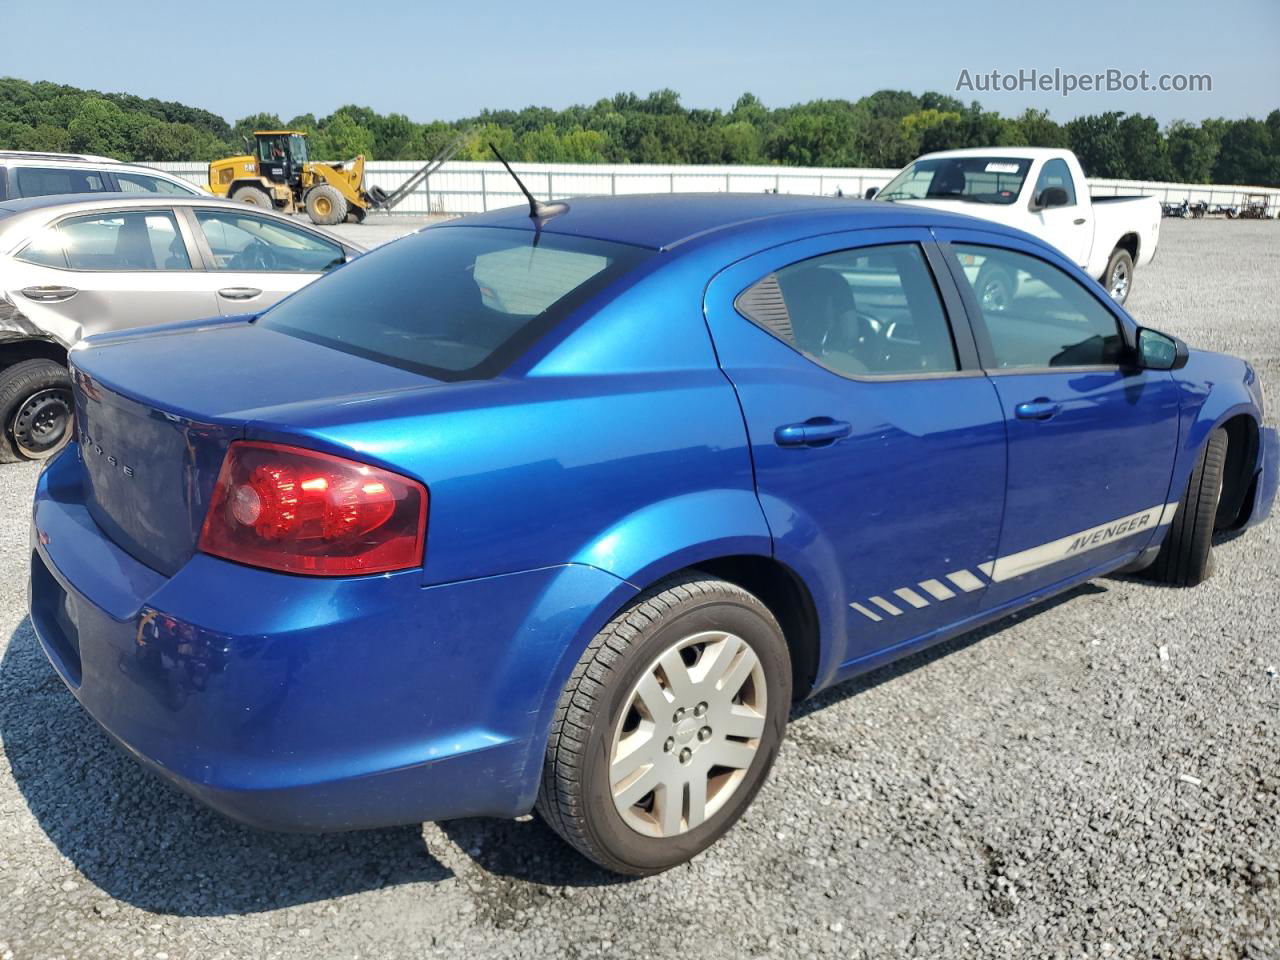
(145, 843)
(874, 678)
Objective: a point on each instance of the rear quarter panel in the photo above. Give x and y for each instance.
(638, 468)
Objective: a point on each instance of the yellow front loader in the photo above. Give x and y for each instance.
(278, 176)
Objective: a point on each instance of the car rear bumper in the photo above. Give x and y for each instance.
(299, 703)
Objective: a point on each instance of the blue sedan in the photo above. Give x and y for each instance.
(564, 509)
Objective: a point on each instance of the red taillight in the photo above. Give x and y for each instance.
(285, 508)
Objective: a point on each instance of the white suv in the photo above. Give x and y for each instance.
(24, 174)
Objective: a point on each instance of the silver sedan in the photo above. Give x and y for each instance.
(71, 267)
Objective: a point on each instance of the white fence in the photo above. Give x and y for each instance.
(466, 187)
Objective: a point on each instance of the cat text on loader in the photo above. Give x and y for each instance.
(278, 176)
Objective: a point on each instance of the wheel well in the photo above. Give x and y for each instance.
(15, 351)
(1237, 473)
(788, 599)
(1129, 242)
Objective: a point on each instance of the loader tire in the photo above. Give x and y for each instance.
(254, 196)
(326, 205)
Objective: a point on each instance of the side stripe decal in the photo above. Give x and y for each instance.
(1017, 564)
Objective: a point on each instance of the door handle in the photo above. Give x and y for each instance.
(1038, 409)
(239, 293)
(1078, 220)
(49, 294)
(814, 432)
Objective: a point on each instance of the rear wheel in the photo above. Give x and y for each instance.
(668, 726)
(326, 205)
(1118, 277)
(35, 410)
(994, 288)
(254, 196)
(1186, 556)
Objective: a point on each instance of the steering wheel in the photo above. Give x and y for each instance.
(256, 255)
(861, 338)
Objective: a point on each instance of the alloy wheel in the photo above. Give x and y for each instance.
(688, 734)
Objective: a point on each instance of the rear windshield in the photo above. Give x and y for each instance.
(453, 302)
(969, 179)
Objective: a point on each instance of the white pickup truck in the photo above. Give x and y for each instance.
(1042, 191)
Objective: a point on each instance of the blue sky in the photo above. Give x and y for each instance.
(434, 60)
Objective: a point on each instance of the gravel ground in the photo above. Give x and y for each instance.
(1048, 787)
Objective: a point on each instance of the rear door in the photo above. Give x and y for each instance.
(108, 270)
(1091, 438)
(254, 261)
(878, 444)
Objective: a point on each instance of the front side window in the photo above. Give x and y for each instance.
(968, 179)
(1056, 173)
(872, 311)
(137, 240)
(241, 241)
(142, 183)
(51, 181)
(453, 302)
(1037, 315)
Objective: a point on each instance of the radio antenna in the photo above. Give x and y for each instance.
(537, 209)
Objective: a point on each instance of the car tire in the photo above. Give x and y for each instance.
(254, 196)
(1117, 278)
(35, 410)
(993, 288)
(326, 205)
(1186, 556)
(602, 712)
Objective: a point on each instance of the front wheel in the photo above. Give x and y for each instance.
(1186, 556)
(1118, 277)
(668, 726)
(35, 410)
(326, 205)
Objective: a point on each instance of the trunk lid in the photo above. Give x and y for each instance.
(155, 413)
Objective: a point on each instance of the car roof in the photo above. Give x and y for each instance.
(10, 210)
(666, 220)
(132, 199)
(1010, 153)
(43, 157)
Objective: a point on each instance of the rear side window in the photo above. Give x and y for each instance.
(48, 181)
(113, 241)
(872, 311)
(1037, 315)
(142, 183)
(453, 302)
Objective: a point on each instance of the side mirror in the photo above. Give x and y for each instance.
(1159, 351)
(1052, 197)
(871, 192)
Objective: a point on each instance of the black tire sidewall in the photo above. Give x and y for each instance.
(639, 854)
(34, 376)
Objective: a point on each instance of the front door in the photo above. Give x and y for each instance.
(1091, 438)
(1068, 227)
(255, 261)
(878, 445)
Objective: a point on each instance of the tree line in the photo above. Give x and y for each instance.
(886, 129)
